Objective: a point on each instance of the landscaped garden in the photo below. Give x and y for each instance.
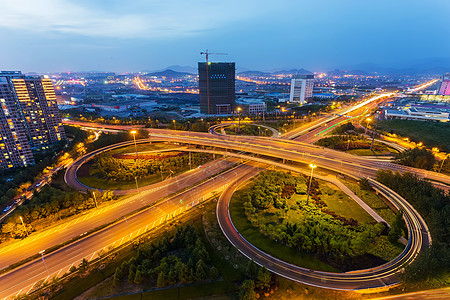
(119, 168)
(331, 232)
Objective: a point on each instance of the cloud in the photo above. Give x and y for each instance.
(125, 19)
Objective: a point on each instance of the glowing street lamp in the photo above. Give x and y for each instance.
(174, 124)
(239, 124)
(367, 125)
(24, 227)
(133, 132)
(310, 180)
(42, 255)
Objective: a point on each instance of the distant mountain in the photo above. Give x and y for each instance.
(169, 73)
(253, 73)
(293, 72)
(185, 69)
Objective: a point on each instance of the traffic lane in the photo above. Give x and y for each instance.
(19, 279)
(251, 145)
(94, 218)
(372, 278)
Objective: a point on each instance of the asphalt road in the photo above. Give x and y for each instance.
(377, 277)
(106, 213)
(58, 262)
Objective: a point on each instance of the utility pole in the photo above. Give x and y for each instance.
(373, 133)
(310, 180)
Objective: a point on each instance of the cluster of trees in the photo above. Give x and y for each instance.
(188, 264)
(421, 158)
(268, 189)
(260, 281)
(112, 168)
(342, 143)
(52, 202)
(319, 229)
(434, 206)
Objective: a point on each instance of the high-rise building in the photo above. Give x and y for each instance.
(445, 85)
(301, 88)
(216, 85)
(29, 118)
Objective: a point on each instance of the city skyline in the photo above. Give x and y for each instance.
(112, 36)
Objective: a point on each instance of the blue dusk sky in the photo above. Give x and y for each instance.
(135, 35)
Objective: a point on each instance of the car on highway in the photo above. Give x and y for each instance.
(7, 208)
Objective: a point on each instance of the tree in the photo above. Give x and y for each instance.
(117, 277)
(214, 273)
(364, 184)
(138, 277)
(83, 265)
(247, 290)
(252, 269)
(162, 280)
(131, 273)
(379, 228)
(264, 278)
(396, 228)
(200, 272)
(417, 157)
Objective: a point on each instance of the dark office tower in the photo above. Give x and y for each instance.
(216, 85)
(29, 118)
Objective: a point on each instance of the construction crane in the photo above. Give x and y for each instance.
(207, 53)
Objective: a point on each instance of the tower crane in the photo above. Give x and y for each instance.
(207, 53)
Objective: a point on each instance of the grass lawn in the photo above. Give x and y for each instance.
(432, 134)
(368, 152)
(373, 200)
(342, 204)
(268, 245)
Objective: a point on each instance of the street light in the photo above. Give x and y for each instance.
(174, 124)
(42, 255)
(367, 125)
(239, 124)
(128, 228)
(373, 133)
(442, 164)
(310, 180)
(24, 227)
(133, 132)
(348, 144)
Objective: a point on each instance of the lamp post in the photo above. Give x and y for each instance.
(310, 180)
(95, 198)
(42, 255)
(373, 133)
(442, 164)
(348, 144)
(128, 228)
(174, 124)
(24, 227)
(367, 124)
(137, 186)
(239, 115)
(133, 132)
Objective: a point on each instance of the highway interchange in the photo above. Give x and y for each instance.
(267, 150)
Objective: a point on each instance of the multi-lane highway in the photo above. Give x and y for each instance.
(377, 277)
(268, 148)
(22, 279)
